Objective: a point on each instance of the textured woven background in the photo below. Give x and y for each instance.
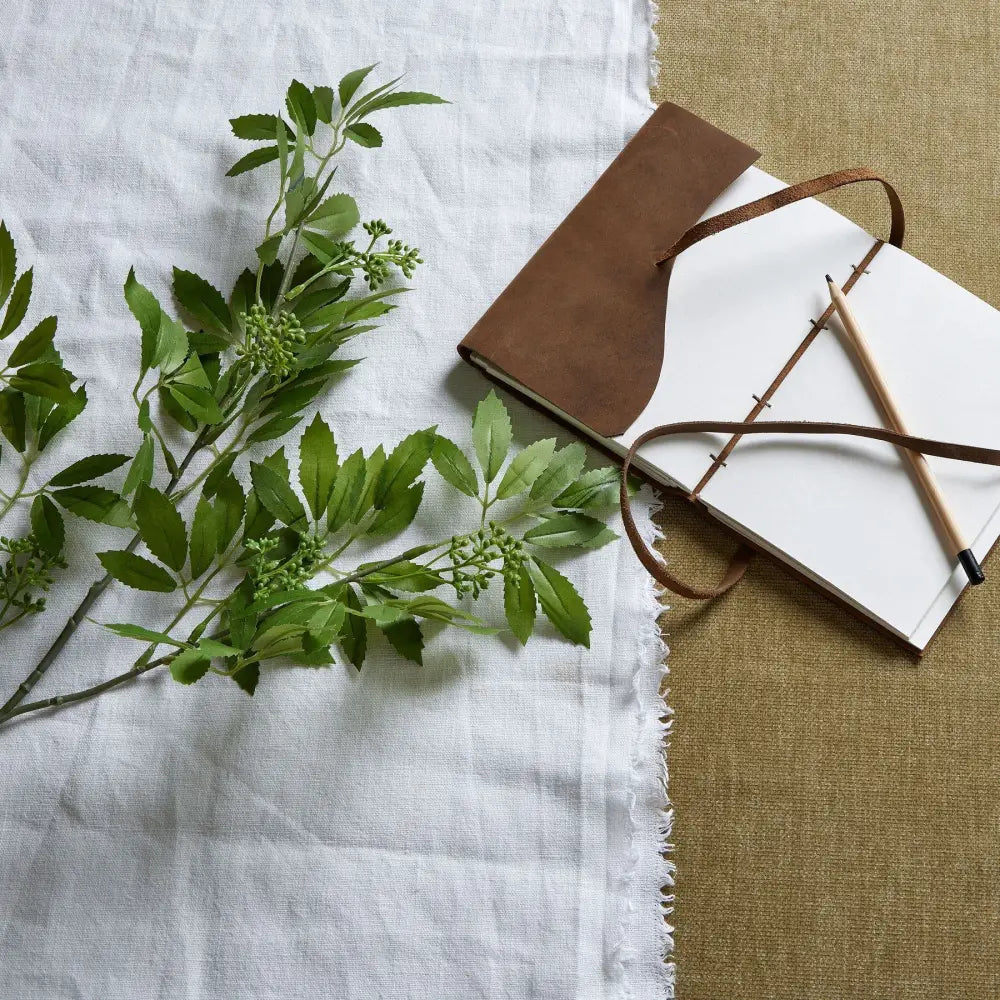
(838, 804)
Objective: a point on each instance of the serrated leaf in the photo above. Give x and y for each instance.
(526, 467)
(276, 495)
(35, 344)
(128, 631)
(230, 503)
(257, 127)
(348, 86)
(596, 488)
(142, 467)
(317, 465)
(8, 262)
(136, 572)
(204, 539)
(406, 576)
(189, 665)
(268, 250)
(145, 308)
(196, 401)
(202, 300)
(42, 378)
(60, 416)
(403, 466)
(354, 632)
(86, 469)
(301, 106)
(491, 435)
(323, 99)
(255, 158)
(95, 503)
(215, 649)
(519, 603)
(566, 465)
(161, 526)
(569, 531)
(13, 418)
(273, 429)
(47, 524)
(454, 467)
(399, 512)
(346, 492)
(364, 135)
(18, 304)
(335, 216)
(562, 605)
(373, 467)
(248, 677)
(399, 98)
(406, 638)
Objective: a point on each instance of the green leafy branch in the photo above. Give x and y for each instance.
(283, 545)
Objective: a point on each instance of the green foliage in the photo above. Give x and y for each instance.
(254, 554)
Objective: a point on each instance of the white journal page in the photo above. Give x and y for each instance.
(847, 509)
(739, 304)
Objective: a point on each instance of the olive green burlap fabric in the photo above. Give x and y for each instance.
(837, 828)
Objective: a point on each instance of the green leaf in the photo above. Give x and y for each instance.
(248, 677)
(215, 649)
(405, 575)
(399, 98)
(204, 526)
(301, 106)
(42, 378)
(61, 415)
(364, 135)
(13, 419)
(276, 495)
(255, 158)
(335, 215)
(202, 300)
(257, 127)
(566, 465)
(491, 435)
(161, 526)
(34, 344)
(268, 250)
(454, 467)
(47, 524)
(326, 621)
(95, 503)
(143, 634)
(144, 307)
(399, 511)
(570, 531)
(596, 488)
(8, 262)
(230, 503)
(18, 304)
(137, 572)
(281, 151)
(519, 603)
(527, 466)
(189, 665)
(373, 467)
(323, 99)
(346, 492)
(196, 401)
(86, 469)
(354, 633)
(142, 467)
(406, 638)
(317, 465)
(562, 605)
(278, 427)
(403, 466)
(348, 86)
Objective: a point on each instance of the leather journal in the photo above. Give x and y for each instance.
(679, 317)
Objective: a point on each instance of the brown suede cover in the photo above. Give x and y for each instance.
(582, 323)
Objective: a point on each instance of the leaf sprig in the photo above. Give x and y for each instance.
(256, 560)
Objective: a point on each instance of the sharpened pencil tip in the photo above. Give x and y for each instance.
(829, 280)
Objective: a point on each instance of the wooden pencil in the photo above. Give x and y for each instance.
(921, 468)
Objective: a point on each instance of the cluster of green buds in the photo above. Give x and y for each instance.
(28, 569)
(271, 575)
(472, 557)
(376, 266)
(271, 341)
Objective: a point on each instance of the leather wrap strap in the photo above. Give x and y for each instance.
(710, 227)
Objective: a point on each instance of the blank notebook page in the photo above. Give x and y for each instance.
(844, 510)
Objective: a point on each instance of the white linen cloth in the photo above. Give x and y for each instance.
(487, 825)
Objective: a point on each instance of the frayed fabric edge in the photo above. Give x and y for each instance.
(653, 18)
(648, 881)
